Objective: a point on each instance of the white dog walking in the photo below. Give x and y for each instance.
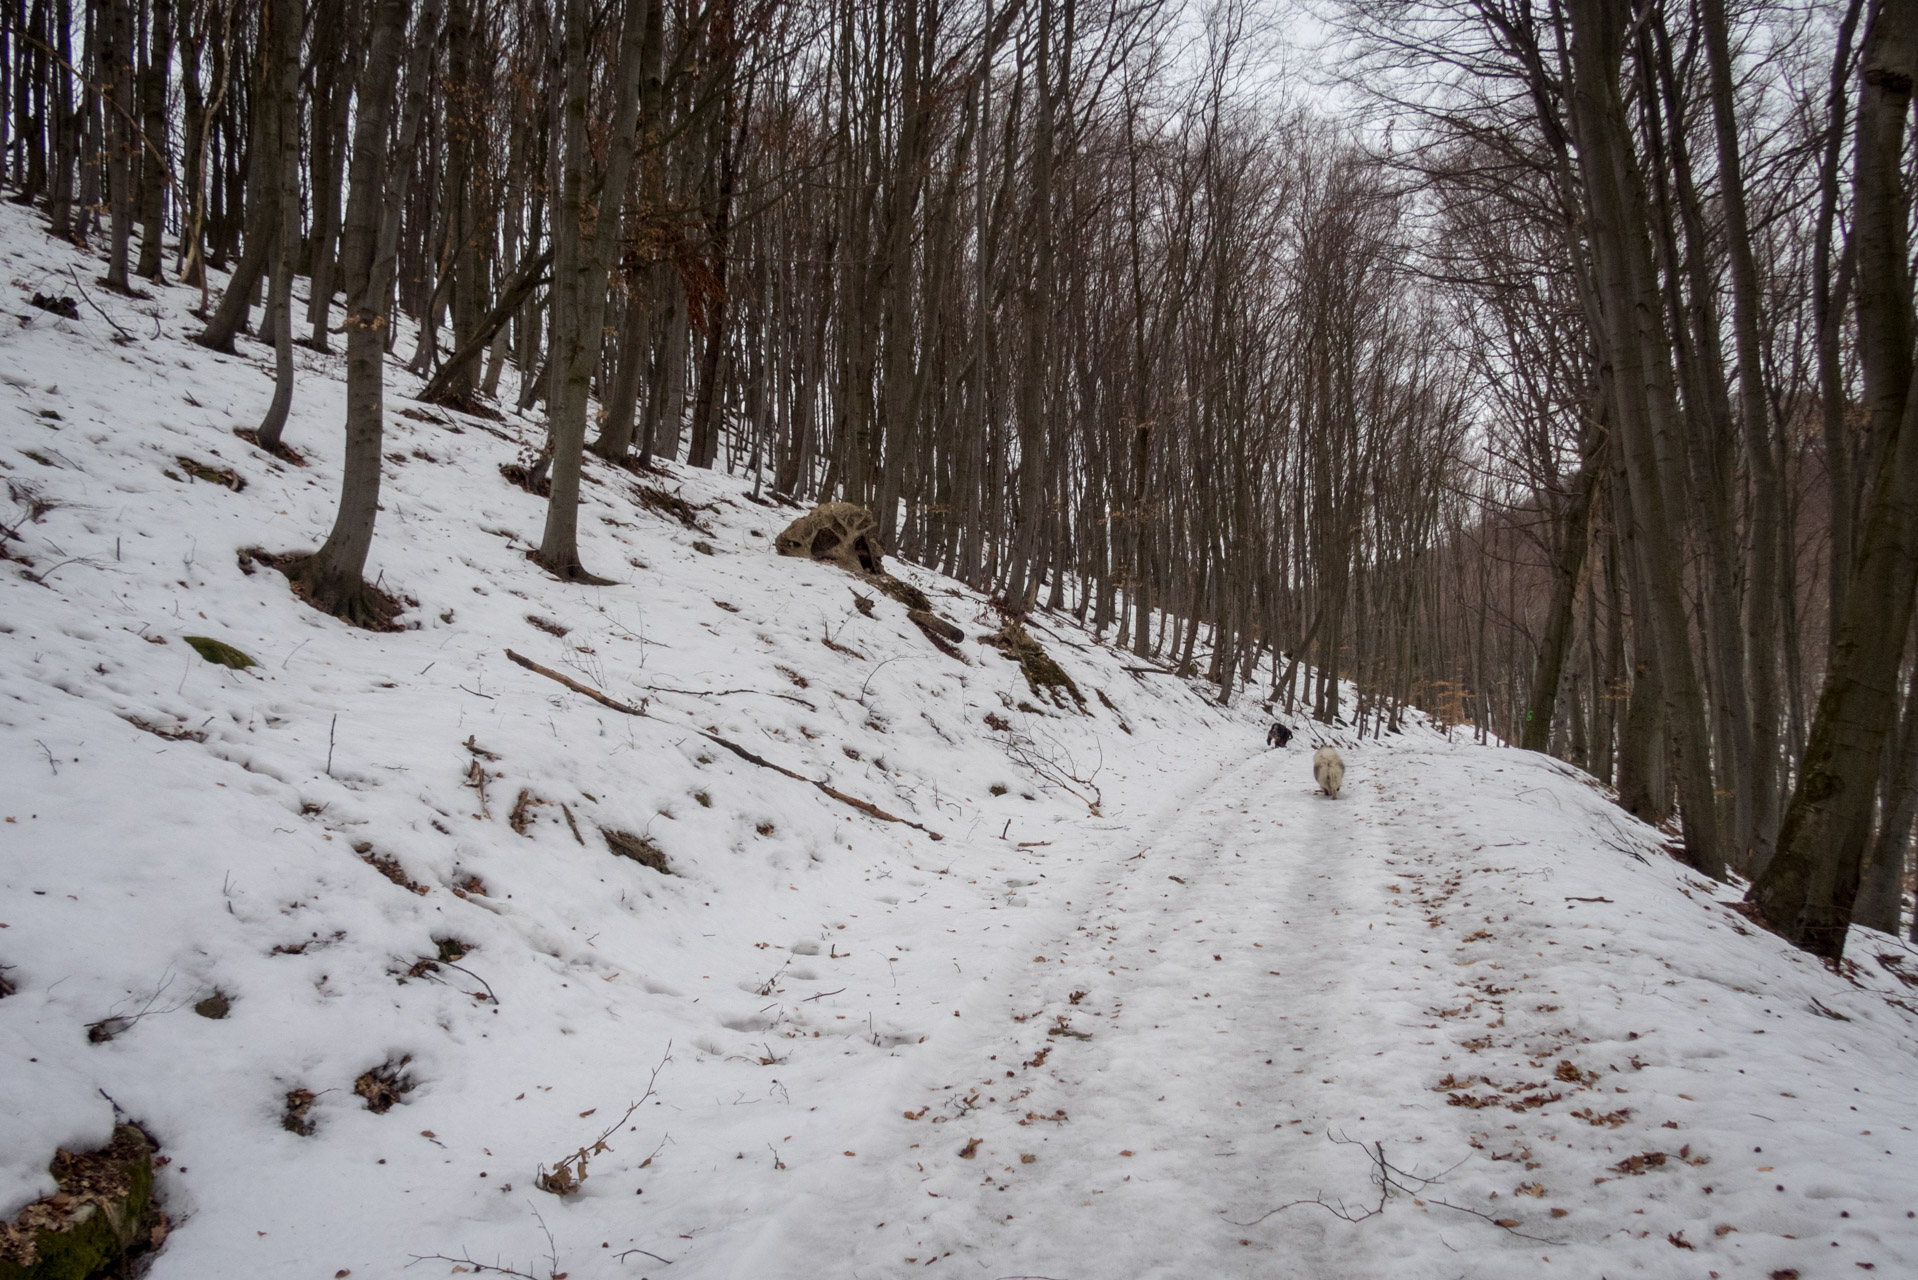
(1329, 771)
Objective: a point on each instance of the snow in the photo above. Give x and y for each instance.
(847, 1028)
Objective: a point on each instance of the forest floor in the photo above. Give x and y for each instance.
(1148, 1006)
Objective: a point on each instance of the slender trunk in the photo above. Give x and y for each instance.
(117, 54)
(286, 25)
(154, 180)
(263, 183)
(1557, 640)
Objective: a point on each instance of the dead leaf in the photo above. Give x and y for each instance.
(970, 1150)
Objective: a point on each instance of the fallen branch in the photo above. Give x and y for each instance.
(576, 686)
(96, 306)
(863, 806)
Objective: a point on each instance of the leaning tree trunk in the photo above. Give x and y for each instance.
(1807, 892)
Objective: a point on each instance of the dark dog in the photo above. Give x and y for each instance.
(1278, 735)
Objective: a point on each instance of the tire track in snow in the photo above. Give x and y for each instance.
(1221, 977)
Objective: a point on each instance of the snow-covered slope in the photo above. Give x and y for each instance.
(1143, 952)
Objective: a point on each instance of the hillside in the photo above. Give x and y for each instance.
(1126, 941)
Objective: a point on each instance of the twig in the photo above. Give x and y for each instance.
(1388, 1177)
(329, 743)
(479, 1268)
(96, 306)
(821, 996)
(475, 977)
(621, 1257)
(724, 693)
(41, 578)
(870, 674)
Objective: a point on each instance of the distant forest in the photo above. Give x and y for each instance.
(1545, 365)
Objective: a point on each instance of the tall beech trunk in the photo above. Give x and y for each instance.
(1762, 569)
(116, 32)
(1807, 892)
(585, 235)
(332, 578)
(1637, 347)
(153, 146)
(643, 282)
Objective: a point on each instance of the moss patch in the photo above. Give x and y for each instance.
(220, 653)
(1046, 678)
(102, 1212)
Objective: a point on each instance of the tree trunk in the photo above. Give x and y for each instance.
(263, 183)
(153, 150)
(117, 54)
(1637, 347)
(1557, 640)
(287, 24)
(332, 578)
(586, 232)
(1807, 891)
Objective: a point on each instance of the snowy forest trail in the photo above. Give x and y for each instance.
(1168, 1054)
(1225, 1018)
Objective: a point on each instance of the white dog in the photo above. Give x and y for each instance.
(1328, 770)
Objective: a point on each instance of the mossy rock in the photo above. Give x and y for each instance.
(220, 653)
(102, 1212)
